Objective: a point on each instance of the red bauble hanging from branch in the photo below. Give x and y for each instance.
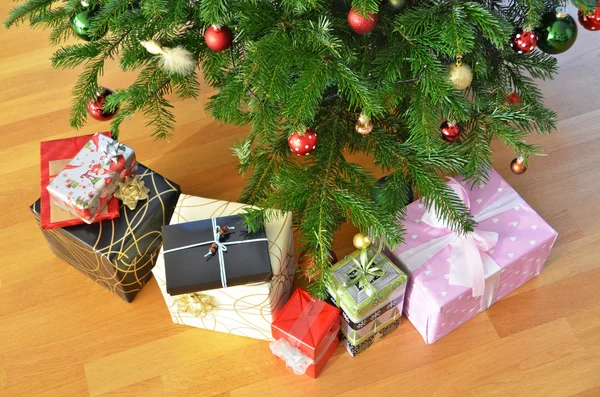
(450, 131)
(513, 98)
(523, 41)
(95, 105)
(361, 24)
(590, 21)
(303, 145)
(218, 38)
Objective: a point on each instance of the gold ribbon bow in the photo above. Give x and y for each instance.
(197, 305)
(131, 191)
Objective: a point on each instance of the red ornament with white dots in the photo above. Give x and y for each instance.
(523, 41)
(303, 145)
(590, 21)
(361, 24)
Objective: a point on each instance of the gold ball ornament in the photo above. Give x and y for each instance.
(364, 125)
(361, 241)
(460, 74)
(518, 166)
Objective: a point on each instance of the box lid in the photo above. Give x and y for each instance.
(357, 301)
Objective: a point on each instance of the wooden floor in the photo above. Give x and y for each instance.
(63, 335)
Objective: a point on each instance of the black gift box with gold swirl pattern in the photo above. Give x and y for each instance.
(119, 254)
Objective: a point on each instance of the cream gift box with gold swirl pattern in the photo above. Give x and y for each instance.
(246, 310)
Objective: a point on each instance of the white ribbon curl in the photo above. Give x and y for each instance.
(470, 264)
(293, 357)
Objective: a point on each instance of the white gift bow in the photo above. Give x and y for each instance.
(470, 265)
(221, 247)
(294, 358)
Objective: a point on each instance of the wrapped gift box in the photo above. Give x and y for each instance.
(358, 300)
(357, 333)
(246, 310)
(365, 343)
(86, 184)
(119, 254)
(54, 157)
(190, 266)
(369, 289)
(380, 312)
(453, 277)
(306, 333)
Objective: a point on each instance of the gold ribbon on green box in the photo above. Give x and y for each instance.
(364, 270)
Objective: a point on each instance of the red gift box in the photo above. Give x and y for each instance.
(308, 328)
(54, 156)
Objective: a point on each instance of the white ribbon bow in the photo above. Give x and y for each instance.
(470, 264)
(293, 357)
(221, 247)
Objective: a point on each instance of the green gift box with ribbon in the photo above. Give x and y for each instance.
(364, 281)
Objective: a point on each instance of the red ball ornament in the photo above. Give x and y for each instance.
(450, 131)
(303, 145)
(305, 263)
(218, 39)
(95, 105)
(590, 21)
(361, 24)
(513, 98)
(523, 41)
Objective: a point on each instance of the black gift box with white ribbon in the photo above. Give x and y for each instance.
(238, 257)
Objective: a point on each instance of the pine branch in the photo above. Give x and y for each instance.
(87, 84)
(30, 9)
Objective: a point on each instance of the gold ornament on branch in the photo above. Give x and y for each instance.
(131, 191)
(518, 166)
(361, 241)
(197, 305)
(364, 125)
(461, 75)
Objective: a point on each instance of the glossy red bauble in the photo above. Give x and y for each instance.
(95, 105)
(513, 98)
(361, 24)
(218, 39)
(303, 145)
(590, 21)
(450, 131)
(523, 41)
(305, 263)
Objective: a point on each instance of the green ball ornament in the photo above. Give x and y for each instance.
(398, 4)
(81, 23)
(557, 32)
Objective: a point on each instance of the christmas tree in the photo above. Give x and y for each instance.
(420, 86)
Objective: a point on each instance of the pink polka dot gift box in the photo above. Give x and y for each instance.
(454, 276)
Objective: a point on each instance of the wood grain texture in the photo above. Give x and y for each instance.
(63, 335)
